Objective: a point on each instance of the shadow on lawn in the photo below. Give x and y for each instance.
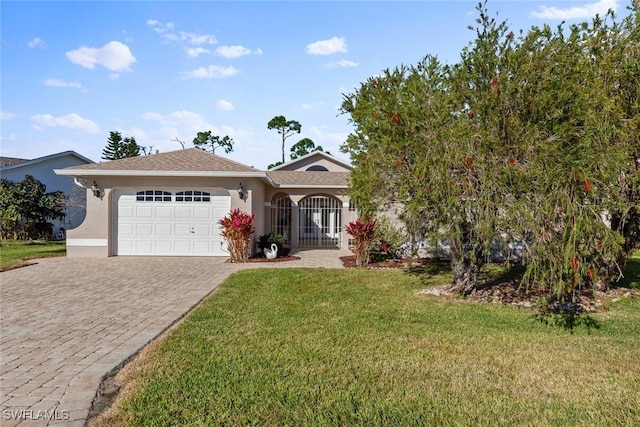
(631, 273)
(567, 320)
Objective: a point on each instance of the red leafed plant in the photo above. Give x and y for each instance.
(363, 233)
(237, 228)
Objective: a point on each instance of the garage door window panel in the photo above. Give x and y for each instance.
(153, 196)
(193, 196)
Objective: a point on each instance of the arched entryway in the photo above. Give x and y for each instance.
(320, 221)
(281, 216)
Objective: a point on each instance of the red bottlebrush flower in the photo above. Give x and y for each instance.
(469, 162)
(399, 164)
(510, 36)
(372, 81)
(599, 245)
(512, 160)
(574, 263)
(472, 113)
(590, 274)
(587, 185)
(494, 82)
(395, 118)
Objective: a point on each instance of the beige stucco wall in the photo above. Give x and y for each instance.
(95, 236)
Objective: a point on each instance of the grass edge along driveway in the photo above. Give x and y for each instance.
(359, 347)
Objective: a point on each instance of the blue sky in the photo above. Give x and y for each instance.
(157, 70)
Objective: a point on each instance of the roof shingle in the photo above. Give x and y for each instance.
(309, 178)
(190, 159)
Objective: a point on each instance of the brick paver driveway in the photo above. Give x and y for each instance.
(66, 322)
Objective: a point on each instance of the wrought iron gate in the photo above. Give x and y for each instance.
(320, 222)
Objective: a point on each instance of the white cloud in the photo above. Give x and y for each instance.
(319, 136)
(211, 72)
(114, 56)
(6, 115)
(194, 52)
(167, 34)
(182, 118)
(159, 27)
(10, 137)
(224, 105)
(35, 42)
(306, 106)
(327, 47)
(588, 10)
(185, 125)
(62, 83)
(343, 63)
(232, 51)
(71, 121)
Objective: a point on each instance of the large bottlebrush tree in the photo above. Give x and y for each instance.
(529, 136)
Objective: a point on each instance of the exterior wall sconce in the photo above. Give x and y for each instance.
(96, 190)
(242, 193)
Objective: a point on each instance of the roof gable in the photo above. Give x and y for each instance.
(19, 163)
(314, 158)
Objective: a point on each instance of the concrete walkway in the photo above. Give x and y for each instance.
(66, 322)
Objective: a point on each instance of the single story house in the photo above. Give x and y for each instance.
(169, 204)
(42, 169)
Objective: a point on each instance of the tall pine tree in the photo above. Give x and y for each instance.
(120, 148)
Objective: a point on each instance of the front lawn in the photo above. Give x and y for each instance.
(361, 347)
(17, 253)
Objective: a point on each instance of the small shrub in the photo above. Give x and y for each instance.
(237, 228)
(388, 239)
(363, 233)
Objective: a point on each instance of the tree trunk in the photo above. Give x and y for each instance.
(465, 275)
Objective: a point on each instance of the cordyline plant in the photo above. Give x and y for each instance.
(363, 233)
(530, 137)
(237, 228)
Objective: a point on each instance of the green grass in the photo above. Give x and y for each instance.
(631, 273)
(360, 347)
(17, 253)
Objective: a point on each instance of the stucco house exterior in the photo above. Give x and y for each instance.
(169, 204)
(42, 169)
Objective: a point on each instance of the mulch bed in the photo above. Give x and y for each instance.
(506, 293)
(259, 257)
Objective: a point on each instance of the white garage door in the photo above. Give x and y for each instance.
(169, 222)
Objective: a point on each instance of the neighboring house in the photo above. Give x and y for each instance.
(169, 204)
(42, 169)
